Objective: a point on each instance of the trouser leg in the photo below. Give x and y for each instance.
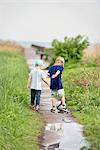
(32, 96)
(38, 93)
(37, 99)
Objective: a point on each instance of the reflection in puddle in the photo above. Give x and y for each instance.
(63, 136)
(58, 128)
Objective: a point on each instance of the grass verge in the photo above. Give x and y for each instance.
(82, 88)
(19, 127)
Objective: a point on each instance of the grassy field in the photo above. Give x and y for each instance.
(19, 127)
(82, 87)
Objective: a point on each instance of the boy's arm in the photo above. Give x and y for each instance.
(56, 74)
(46, 81)
(45, 78)
(49, 72)
(48, 75)
(29, 81)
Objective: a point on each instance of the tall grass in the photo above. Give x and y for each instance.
(19, 127)
(82, 87)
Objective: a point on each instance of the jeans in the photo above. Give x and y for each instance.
(35, 94)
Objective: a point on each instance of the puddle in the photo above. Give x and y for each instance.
(63, 136)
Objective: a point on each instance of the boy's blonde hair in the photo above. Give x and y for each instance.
(61, 59)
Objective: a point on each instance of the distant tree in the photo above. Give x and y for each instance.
(71, 48)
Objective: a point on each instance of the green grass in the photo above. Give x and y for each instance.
(19, 127)
(82, 89)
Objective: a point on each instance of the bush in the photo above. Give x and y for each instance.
(71, 48)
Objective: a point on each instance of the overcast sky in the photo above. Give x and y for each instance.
(45, 20)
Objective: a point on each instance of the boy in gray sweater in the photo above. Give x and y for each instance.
(34, 83)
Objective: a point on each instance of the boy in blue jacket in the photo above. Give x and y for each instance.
(56, 86)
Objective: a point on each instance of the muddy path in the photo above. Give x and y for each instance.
(61, 132)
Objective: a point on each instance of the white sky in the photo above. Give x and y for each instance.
(44, 20)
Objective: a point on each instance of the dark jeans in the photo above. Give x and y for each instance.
(35, 94)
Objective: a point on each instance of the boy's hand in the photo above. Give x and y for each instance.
(54, 76)
(29, 82)
(28, 86)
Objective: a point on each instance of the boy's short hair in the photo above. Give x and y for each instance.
(60, 58)
(38, 62)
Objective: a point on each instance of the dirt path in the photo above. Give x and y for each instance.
(62, 132)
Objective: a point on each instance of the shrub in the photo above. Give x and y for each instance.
(71, 48)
